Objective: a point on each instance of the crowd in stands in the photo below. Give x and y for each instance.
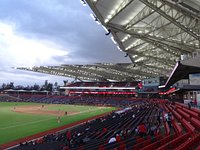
(4, 98)
(58, 99)
(140, 124)
(103, 84)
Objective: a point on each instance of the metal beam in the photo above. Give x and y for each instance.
(123, 69)
(144, 13)
(119, 9)
(161, 60)
(150, 48)
(147, 38)
(151, 4)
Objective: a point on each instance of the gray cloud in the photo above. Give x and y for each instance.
(67, 23)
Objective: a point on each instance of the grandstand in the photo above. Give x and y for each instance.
(145, 97)
(123, 125)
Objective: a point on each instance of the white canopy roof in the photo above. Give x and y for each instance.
(153, 33)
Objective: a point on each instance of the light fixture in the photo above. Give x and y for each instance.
(126, 55)
(95, 18)
(119, 48)
(108, 32)
(83, 2)
(112, 38)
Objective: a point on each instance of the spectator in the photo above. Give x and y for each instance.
(142, 130)
(112, 139)
(72, 143)
(161, 110)
(195, 102)
(153, 129)
(104, 130)
(173, 102)
(118, 138)
(189, 105)
(86, 139)
(168, 119)
(158, 119)
(68, 134)
(133, 116)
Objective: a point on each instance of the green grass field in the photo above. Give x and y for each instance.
(15, 125)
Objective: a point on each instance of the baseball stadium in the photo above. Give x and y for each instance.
(31, 118)
(152, 103)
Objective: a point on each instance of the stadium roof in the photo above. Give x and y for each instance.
(96, 72)
(183, 69)
(153, 33)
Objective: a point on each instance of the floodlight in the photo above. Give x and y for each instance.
(108, 32)
(83, 2)
(126, 55)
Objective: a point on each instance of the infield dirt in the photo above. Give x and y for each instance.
(42, 110)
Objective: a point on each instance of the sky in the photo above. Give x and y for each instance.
(50, 32)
